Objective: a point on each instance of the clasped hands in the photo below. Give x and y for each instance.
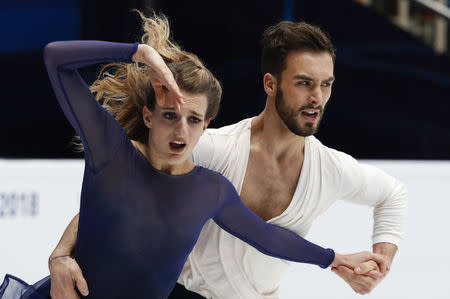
(362, 271)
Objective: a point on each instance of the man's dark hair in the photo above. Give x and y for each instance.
(286, 36)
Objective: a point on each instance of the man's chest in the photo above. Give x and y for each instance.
(268, 187)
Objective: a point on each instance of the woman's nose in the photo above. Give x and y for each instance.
(181, 127)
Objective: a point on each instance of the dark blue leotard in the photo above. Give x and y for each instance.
(137, 224)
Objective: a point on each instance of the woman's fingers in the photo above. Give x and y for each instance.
(369, 268)
(167, 91)
(161, 76)
(159, 94)
(172, 86)
(375, 274)
(366, 267)
(361, 284)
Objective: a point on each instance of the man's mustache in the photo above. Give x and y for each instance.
(310, 106)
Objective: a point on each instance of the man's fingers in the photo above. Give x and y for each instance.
(381, 261)
(71, 295)
(82, 285)
(64, 294)
(78, 279)
(65, 274)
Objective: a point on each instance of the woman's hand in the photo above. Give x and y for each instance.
(65, 274)
(363, 279)
(160, 75)
(356, 260)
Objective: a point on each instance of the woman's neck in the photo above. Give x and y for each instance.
(161, 165)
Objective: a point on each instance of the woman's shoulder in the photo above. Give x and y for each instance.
(214, 177)
(215, 185)
(206, 172)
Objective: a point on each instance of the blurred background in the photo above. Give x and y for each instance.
(390, 100)
(390, 106)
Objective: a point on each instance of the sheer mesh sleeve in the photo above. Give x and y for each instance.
(99, 132)
(238, 220)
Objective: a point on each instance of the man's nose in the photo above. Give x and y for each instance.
(316, 97)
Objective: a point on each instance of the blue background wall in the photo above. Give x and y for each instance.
(390, 100)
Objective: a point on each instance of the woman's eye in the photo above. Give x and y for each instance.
(194, 120)
(169, 115)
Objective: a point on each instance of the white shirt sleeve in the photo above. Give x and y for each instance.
(203, 152)
(364, 184)
(215, 149)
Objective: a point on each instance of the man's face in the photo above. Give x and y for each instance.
(304, 91)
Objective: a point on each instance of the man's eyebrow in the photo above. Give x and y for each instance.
(307, 78)
(302, 77)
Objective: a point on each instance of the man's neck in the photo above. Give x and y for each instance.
(270, 134)
(274, 165)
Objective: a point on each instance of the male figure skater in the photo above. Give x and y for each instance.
(283, 174)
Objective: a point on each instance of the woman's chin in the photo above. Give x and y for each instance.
(177, 159)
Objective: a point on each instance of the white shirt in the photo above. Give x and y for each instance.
(222, 266)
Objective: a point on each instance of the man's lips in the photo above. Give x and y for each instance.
(310, 115)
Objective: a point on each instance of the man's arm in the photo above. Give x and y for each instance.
(64, 270)
(67, 243)
(365, 184)
(386, 249)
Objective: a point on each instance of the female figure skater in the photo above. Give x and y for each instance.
(143, 202)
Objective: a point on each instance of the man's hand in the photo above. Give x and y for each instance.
(65, 275)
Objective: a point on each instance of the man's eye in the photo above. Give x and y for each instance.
(326, 84)
(305, 83)
(194, 120)
(169, 115)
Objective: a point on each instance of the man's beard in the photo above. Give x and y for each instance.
(290, 117)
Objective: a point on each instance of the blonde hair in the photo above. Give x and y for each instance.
(124, 89)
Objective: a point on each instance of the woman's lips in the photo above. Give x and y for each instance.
(177, 146)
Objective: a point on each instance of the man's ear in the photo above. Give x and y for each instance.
(206, 124)
(270, 84)
(147, 117)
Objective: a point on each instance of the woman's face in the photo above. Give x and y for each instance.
(174, 134)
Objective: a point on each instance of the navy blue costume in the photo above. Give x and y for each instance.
(137, 225)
